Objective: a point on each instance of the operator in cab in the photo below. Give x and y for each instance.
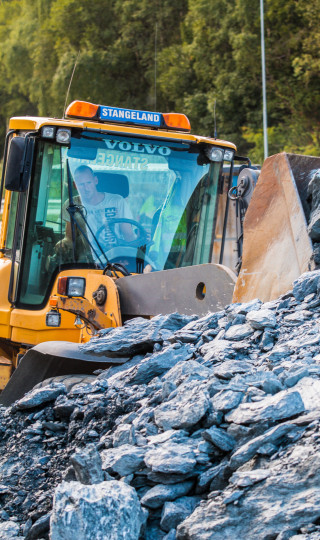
(98, 209)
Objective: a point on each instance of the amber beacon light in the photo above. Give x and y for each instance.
(176, 121)
(82, 109)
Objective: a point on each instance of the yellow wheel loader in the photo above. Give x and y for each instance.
(112, 213)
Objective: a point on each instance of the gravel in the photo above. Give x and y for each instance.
(211, 430)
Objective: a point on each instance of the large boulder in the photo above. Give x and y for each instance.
(105, 511)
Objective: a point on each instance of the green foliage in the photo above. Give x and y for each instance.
(208, 58)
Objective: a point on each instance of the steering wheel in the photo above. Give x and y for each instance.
(111, 223)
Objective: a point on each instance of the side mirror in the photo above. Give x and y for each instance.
(19, 163)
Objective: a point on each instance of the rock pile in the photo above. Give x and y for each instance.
(211, 430)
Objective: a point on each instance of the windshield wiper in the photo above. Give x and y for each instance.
(70, 209)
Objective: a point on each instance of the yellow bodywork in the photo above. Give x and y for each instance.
(36, 123)
(21, 329)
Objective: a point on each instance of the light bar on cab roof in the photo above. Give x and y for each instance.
(82, 109)
(103, 113)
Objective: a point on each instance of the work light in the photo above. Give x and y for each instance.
(71, 286)
(63, 135)
(228, 155)
(53, 318)
(48, 132)
(214, 154)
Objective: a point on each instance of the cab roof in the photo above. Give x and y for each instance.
(35, 123)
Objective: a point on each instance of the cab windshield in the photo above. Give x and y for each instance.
(148, 205)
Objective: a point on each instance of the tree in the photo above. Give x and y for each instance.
(200, 57)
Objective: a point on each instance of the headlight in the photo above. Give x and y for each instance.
(63, 135)
(214, 154)
(71, 286)
(53, 318)
(48, 132)
(228, 155)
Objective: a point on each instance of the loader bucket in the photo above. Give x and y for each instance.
(276, 246)
(190, 290)
(52, 359)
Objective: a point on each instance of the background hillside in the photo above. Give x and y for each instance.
(206, 51)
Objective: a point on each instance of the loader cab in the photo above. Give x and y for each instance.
(159, 194)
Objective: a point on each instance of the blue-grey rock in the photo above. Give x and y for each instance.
(314, 220)
(153, 531)
(136, 336)
(217, 475)
(178, 373)
(109, 510)
(267, 341)
(306, 284)
(4, 489)
(119, 368)
(248, 478)
(295, 376)
(124, 460)
(10, 467)
(153, 366)
(171, 458)
(145, 415)
(124, 434)
(39, 396)
(264, 318)
(232, 496)
(271, 384)
(185, 336)
(87, 465)
(279, 352)
(167, 388)
(205, 323)
(309, 391)
(267, 449)
(272, 436)
(226, 400)
(254, 394)
(266, 380)
(171, 478)
(292, 534)
(238, 332)
(219, 438)
(158, 495)
(246, 307)
(280, 406)
(183, 411)
(272, 304)
(205, 447)
(175, 512)
(39, 528)
(288, 499)
(171, 535)
(217, 350)
(236, 318)
(297, 317)
(227, 370)
(304, 342)
(213, 418)
(9, 530)
(238, 432)
(175, 435)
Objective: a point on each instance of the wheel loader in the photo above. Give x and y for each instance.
(112, 213)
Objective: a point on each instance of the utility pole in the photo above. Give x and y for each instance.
(155, 66)
(264, 91)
